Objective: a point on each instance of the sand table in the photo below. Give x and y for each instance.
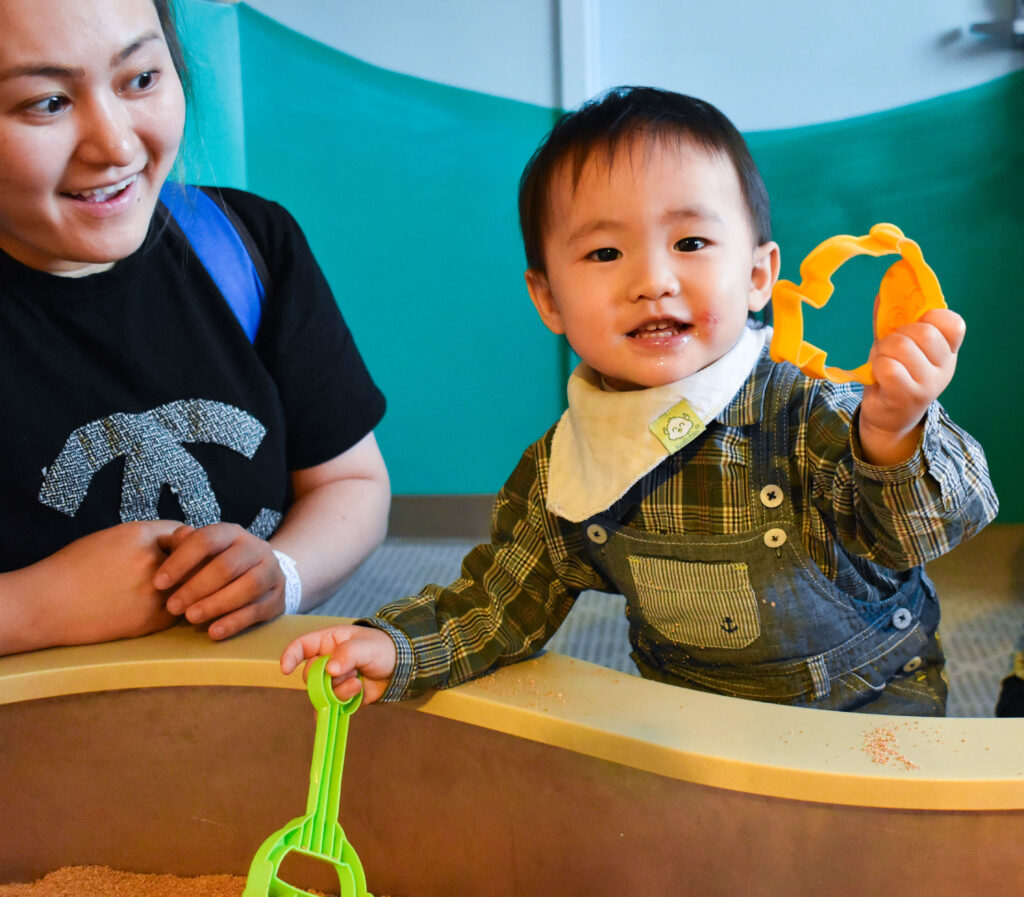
(101, 881)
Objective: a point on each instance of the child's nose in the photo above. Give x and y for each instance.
(655, 279)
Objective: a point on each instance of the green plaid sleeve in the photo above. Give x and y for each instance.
(512, 596)
(900, 516)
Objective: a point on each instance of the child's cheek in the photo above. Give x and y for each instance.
(707, 322)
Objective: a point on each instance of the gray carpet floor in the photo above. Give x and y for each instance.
(981, 587)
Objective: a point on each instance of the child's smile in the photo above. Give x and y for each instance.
(661, 330)
(651, 267)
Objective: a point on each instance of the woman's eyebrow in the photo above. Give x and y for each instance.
(40, 70)
(65, 72)
(134, 47)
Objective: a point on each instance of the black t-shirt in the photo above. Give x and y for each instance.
(135, 394)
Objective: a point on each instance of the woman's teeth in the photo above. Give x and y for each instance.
(100, 194)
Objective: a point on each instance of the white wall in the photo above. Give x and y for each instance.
(767, 65)
(781, 64)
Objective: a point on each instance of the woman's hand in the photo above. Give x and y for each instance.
(95, 589)
(222, 575)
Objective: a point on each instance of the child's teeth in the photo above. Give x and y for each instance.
(656, 327)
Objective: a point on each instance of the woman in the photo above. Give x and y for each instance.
(157, 463)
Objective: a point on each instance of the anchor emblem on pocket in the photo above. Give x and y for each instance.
(729, 624)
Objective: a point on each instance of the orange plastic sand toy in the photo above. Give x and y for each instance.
(908, 289)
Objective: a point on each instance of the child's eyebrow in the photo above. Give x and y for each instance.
(695, 213)
(591, 227)
(64, 72)
(691, 215)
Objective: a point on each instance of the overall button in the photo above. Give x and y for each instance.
(775, 537)
(597, 534)
(913, 664)
(902, 618)
(771, 496)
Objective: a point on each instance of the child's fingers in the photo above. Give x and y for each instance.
(312, 644)
(926, 349)
(349, 688)
(949, 324)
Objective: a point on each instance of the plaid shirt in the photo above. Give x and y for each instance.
(515, 592)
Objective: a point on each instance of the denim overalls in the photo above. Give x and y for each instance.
(749, 614)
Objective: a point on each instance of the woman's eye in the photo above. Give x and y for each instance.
(50, 106)
(690, 244)
(605, 254)
(143, 81)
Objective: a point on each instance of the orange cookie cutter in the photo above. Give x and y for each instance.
(908, 289)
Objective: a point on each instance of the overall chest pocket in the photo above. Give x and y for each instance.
(705, 605)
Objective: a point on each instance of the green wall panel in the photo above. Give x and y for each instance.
(950, 173)
(406, 189)
(407, 192)
(214, 147)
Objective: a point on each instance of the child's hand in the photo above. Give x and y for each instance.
(911, 366)
(354, 651)
(222, 573)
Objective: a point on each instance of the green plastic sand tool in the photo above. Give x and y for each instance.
(317, 834)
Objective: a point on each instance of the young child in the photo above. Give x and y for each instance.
(767, 530)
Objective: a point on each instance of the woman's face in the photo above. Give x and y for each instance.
(91, 116)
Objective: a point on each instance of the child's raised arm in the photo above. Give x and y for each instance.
(911, 367)
(355, 651)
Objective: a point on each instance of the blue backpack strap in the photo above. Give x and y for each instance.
(224, 246)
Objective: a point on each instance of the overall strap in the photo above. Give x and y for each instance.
(225, 247)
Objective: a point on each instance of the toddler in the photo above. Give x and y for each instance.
(767, 530)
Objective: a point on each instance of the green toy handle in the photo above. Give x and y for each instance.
(318, 834)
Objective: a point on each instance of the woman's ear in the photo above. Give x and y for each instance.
(543, 300)
(763, 274)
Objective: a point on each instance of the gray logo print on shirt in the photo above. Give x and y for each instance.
(154, 457)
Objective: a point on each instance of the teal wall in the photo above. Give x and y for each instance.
(214, 148)
(406, 189)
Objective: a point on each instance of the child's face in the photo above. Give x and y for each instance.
(91, 115)
(651, 263)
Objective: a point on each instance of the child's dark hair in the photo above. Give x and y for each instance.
(604, 123)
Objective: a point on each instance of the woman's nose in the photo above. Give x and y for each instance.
(108, 135)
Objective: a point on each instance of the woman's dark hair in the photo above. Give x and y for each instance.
(169, 27)
(618, 115)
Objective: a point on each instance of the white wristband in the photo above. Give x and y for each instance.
(292, 583)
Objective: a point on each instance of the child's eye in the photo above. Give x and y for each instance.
(605, 254)
(690, 244)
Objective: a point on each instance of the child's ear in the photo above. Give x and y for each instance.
(540, 292)
(763, 275)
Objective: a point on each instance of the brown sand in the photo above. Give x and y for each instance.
(101, 881)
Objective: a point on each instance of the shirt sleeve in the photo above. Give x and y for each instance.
(900, 516)
(330, 399)
(513, 594)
